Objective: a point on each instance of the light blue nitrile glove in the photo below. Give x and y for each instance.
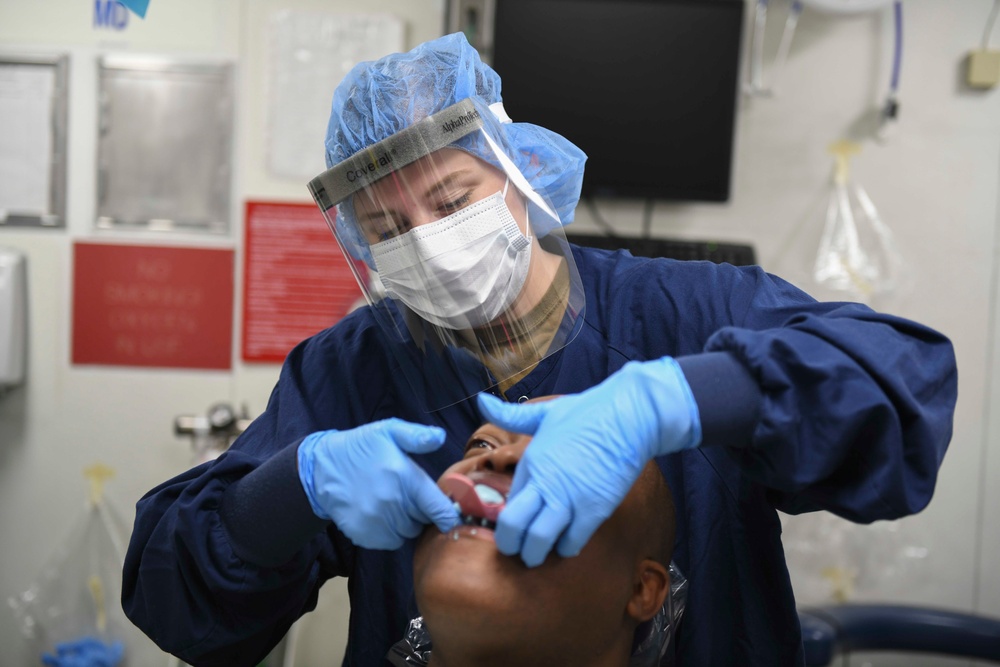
(364, 481)
(587, 451)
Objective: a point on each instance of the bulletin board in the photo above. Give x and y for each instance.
(33, 113)
(164, 149)
(297, 282)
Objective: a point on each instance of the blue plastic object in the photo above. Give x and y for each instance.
(838, 629)
(139, 7)
(85, 652)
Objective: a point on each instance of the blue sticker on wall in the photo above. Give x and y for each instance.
(137, 6)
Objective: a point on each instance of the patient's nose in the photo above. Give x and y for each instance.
(501, 459)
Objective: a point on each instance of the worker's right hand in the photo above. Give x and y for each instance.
(364, 481)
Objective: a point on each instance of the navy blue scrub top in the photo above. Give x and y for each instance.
(804, 406)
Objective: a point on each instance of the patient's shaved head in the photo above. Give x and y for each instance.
(656, 503)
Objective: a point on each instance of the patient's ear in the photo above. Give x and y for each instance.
(649, 590)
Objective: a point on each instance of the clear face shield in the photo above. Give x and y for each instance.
(465, 265)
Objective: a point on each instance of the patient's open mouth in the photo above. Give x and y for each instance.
(469, 520)
(479, 496)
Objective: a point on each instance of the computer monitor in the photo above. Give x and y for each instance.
(647, 88)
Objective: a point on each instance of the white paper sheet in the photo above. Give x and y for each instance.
(26, 107)
(310, 52)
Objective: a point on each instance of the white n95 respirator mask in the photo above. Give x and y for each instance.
(461, 271)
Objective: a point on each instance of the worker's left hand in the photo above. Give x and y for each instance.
(587, 451)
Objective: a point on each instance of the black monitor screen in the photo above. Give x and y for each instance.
(647, 88)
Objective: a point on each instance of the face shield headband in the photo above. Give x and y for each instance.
(462, 125)
(466, 268)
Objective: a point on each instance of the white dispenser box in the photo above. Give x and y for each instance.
(13, 317)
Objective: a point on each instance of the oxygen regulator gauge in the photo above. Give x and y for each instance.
(221, 417)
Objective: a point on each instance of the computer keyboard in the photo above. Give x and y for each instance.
(738, 254)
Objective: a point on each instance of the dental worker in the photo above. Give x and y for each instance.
(751, 396)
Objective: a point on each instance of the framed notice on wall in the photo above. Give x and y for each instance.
(296, 280)
(152, 306)
(33, 111)
(164, 144)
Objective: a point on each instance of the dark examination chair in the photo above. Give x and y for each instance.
(836, 630)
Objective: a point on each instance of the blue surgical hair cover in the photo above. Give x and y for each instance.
(379, 98)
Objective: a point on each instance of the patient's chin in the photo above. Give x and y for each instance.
(457, 611)
(465, 578)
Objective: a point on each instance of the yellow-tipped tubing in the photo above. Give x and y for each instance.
(97, 474)
(842, 151)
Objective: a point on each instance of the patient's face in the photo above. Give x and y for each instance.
(474, 598)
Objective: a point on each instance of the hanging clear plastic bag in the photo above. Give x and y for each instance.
(857, 254)
(832, 560)
(71, 613)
